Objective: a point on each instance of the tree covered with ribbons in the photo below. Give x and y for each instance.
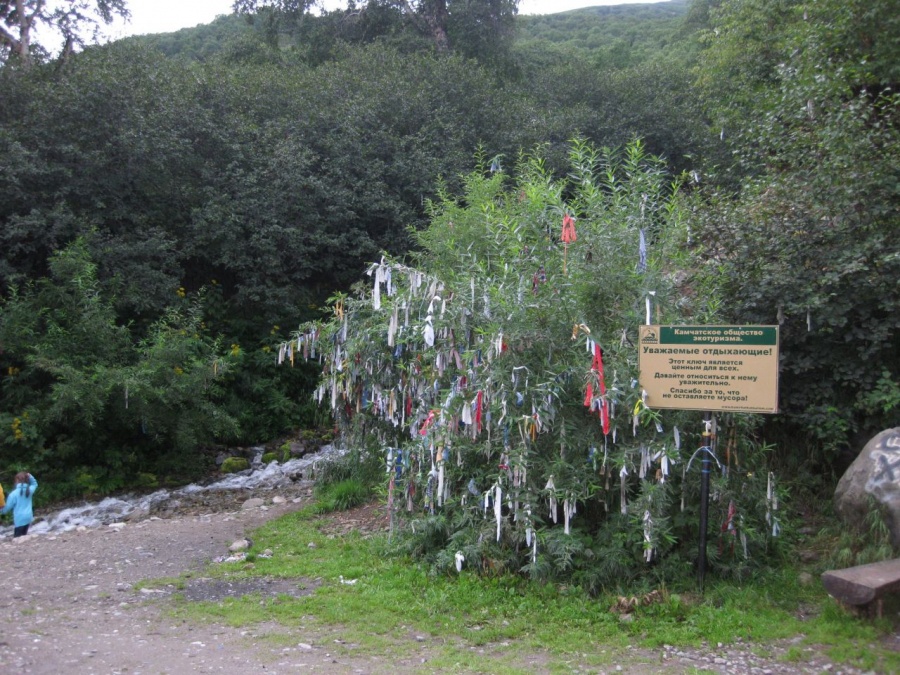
(495, 373)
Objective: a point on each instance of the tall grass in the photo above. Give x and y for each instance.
(342, 495)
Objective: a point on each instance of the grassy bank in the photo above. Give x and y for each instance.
(394, 607)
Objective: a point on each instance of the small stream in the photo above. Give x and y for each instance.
(260, 476)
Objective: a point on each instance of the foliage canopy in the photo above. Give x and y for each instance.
(812, 112)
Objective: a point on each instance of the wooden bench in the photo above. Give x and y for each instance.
(864, 586)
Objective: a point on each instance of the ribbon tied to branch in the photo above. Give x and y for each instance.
(568, 236)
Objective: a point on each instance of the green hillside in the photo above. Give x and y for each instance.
(200, 42)
(620, 34)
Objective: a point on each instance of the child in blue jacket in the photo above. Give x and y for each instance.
(19, 502)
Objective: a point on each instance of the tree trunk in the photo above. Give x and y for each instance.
(436, 17)
(20, 45)
(431, 19)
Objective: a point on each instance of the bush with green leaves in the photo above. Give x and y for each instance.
(89, 407)
(807, 94)
(495, 378)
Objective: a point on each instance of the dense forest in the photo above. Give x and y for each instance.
(174, 206)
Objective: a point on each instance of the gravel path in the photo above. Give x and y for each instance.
(70, 605)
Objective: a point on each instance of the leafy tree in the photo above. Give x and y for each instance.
(481, 29)
(113, 145)
(508, 442)
(269, 184)
(746, 43)
(811, 240)
(224, 34)
(68, 19)
(81, 398)
(564, 93)
(272, 180)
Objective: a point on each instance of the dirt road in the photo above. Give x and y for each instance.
(70, 604)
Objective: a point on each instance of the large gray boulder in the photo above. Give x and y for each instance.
(873, 477)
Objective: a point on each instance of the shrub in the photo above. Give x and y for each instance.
(146, 480)
(342, 496)
(85, 396)
(512, 443)
(365, 468)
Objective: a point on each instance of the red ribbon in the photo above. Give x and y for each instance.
(427, 423)
(568, 229)
(597, 366)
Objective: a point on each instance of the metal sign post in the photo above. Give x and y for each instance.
(705, 468)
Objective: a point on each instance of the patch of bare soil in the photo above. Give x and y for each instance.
(367, 519)
(214, 590)
(72, 603)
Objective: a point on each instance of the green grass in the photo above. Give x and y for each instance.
(341, 496)
(477, 624)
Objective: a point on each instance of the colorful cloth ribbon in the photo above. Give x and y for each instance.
(568, 236)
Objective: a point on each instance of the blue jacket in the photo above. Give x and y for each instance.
(20, 503)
